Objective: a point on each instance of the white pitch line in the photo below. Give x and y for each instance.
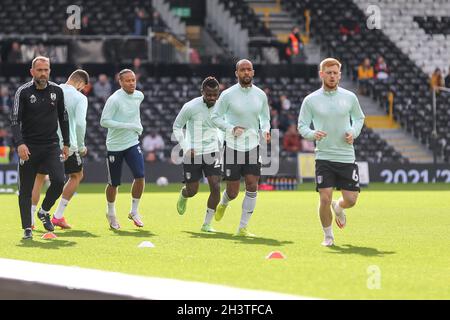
(139, 287)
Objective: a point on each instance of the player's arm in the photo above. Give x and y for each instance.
(357, 117)
(16, 118)
(16, 122)
(80, 123)
(63, 118)
(106, 120)
(217, 116)
(180, 121)
(304, 121)
(264, 119)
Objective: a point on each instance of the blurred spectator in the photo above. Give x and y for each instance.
(4, 147)
(291, 140)
(154, 143)
(286, 120)
(139, 71)
(157, 23)
(285, 103)
(436, 80)
(274, 119)
(365, 76)
(270, 100)
(308, 146)
(5, 100)
(116, 84)
(294, 49)
(194, 56)
(86, 29)
(348, 27)
(222, 86)
(447, 79)
(381, 69)
(151, 157)
(15, 54)
(140, 23)
(102, 88)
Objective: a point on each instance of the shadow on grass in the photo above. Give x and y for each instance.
(75, 233)
(53, 244)
(245, 240)
(363, 251)
(139, 233)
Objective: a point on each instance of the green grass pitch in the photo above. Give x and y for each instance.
(402, 231)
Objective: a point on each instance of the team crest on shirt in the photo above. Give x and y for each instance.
(53, 96)
(33, 98)
(319, 179)
(112, 159)
(188, 175)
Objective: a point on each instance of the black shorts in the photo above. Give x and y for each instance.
(73, 164)
(343, 176)
(195, 167)
(238, 164)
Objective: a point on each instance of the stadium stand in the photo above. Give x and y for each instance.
(165, 93)
(32, 17)
(164, 96)
(408, 81)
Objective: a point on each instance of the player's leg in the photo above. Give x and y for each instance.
(326, 217)
(213, 200)
(232, 176)
(55, 167)
(135, 161)
(27, 172)
(325, 181)
(192, 172)
(251, 170)
(348, 199)
(211, 168)
(248, 204)
(348, 183)
(114, 167)
(36, 194)
(74, 169)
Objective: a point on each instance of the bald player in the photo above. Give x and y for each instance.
(242, 112)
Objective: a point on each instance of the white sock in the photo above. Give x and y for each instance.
(209, 215)
(225, 199)
(111, 209)
(328, 231)
(248, 205)
(33, 210)
(134, 206)
(60, 210)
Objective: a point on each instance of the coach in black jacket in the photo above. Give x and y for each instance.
(38, 106)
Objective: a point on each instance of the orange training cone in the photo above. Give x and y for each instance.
(49, 235)
(275, 255)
